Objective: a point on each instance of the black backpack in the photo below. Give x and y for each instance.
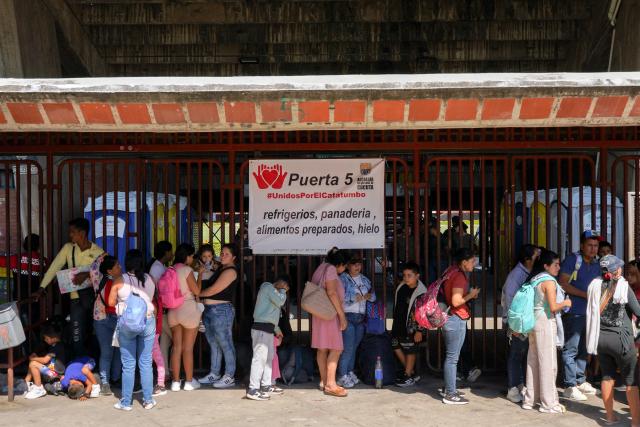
(370, 348)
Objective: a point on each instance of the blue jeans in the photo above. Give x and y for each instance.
(454, 332)
(109, 355)
(574, 353)
(351, 338)
(137, 347)
(218, 321)
(517, 361)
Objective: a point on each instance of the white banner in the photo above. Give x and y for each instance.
(309, 206)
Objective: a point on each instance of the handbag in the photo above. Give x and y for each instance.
(316, 302)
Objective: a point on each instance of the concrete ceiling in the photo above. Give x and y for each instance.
(224, 38)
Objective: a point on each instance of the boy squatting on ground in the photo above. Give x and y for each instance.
(45, 369)
(266, 314)
(78, 380)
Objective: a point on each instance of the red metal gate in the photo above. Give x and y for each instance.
(506, 200)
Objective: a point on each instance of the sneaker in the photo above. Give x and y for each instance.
(35, 392)
(159, 390)
(225, 382)
(443, 394)
(407, 381)
(345, 381)
(454, 399)
(573, 393)
(149, 405)
(354, 378)
(105, 389)
(119, 406)
(473, 375)
(175, 385)
(560, 409)
(29, 387)
(256, 395)
(191, 385)
(95, 391)
(587, 388)
(416, 378)
(137, 389)
(514, 395)
(272, 389)
(52, 388)
(209, 379)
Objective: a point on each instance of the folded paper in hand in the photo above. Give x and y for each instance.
(65, 279)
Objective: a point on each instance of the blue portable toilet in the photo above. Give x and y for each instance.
(111, 228)
(114, 224)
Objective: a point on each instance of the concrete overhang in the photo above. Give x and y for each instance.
(195, 104)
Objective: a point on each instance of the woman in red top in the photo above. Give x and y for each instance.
(457, 294)
(104, 323)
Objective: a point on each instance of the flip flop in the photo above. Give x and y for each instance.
(610, 423)
(336, 392)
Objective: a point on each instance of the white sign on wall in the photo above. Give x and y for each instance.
(308, 206)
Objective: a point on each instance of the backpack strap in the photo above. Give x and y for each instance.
(574, 275)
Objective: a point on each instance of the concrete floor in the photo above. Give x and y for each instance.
(303, 405)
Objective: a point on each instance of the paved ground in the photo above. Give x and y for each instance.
(304, 406)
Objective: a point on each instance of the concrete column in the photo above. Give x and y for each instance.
(10, 59)
(626, 47)
(28, 40)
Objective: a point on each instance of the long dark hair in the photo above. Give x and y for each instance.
(547, 257)
(134, 263)
(338, 257)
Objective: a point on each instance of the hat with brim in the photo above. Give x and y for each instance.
(611, 263)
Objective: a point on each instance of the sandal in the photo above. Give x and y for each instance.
(336, 392)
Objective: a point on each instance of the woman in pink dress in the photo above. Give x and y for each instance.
(326, 335)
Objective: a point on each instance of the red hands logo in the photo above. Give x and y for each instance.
(270, 176)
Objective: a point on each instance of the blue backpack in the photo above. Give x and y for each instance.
(134, 318)
(521, 317)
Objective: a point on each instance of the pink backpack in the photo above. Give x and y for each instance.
(169, 291)
(429, 314)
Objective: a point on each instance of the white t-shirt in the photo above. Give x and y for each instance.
(148, 288)
(157, 270)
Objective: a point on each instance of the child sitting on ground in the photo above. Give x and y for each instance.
(45, 369)
(78, 380)
(266, 315)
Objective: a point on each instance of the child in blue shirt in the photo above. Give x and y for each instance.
(78, 379)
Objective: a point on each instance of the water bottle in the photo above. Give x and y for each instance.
(566, 309)
(378, 373)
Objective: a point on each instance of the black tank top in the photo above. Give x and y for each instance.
(227, 293)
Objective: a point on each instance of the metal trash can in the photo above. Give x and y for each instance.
(11, 330)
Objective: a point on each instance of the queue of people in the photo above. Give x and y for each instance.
(584, 309)
(149, 313)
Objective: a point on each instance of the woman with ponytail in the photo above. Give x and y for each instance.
(610, 299)
(135, 348)
(105, 321)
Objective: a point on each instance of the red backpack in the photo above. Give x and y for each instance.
(169, 292)
(429, 314)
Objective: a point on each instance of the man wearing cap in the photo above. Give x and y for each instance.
(610, 334)
(576, 273)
